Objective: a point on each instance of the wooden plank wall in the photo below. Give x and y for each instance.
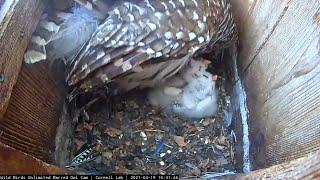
(30, 123)
(16, 162)
(307, 167)
(18, 22)
(29, 107)
(280, 65)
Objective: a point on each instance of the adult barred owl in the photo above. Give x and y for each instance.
(121, 45)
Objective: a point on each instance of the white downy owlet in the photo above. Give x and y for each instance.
(190, 94)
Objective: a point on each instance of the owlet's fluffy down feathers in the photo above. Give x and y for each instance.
(190, 94)
(140, 43)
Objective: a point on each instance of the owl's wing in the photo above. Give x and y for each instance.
(136, 33)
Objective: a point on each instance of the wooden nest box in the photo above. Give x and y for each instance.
(279, 63)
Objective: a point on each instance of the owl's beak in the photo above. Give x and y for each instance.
(215, 77)
(206, 62)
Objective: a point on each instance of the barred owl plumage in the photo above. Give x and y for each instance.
(144, 42)
(61, 32)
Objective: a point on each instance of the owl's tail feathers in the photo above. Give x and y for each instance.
(47, 28)
(60, 33)
(35, 53)
(36, 50)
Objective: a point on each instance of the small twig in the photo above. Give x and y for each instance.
(233, 135)
(135, 120)
(141, 122)
(212, 175)
(213, 149)
(86, 115)
(91, 102)
(150, 130)
(168, 167)
(189, 177)
(190, 135)
(169, 146)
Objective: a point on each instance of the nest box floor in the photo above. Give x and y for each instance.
(135, 138)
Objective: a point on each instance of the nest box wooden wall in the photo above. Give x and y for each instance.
(29, 112)
(280, 64)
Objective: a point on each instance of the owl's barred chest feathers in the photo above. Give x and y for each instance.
(142, 42)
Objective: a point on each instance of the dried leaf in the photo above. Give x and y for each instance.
(204, 163)
(195, 170)
(79, 143)
(222, 161)
(122, 153)
(128, 143)
(190, 128)
(207, 122)
(96, 132)
(107, 154)
(87, 126)
(79, 127)
(121, 170)
(180, 141)
(162, 172)
(113, 132)
(98, 147)
(222, 140)
(120, 115)
(207, 140)
(220, 147)
(149, 124)
(133, 104)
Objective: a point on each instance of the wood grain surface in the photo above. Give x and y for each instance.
(307, 167)
(32, 117)
(16, 162)
(280, 65)
(16, 27)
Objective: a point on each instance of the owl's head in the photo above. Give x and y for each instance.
(197, 71)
